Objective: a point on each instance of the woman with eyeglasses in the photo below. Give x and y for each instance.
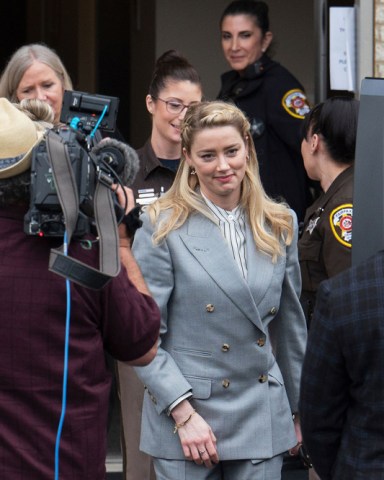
(174, 86)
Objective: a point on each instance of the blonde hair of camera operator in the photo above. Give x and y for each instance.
(19, 133)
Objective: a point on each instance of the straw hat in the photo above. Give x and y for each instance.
(18, 136)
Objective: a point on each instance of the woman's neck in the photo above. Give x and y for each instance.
(330, 175)
(165, 150)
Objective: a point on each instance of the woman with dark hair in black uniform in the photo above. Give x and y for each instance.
(174, 86)
(328, 149)
(272, 98)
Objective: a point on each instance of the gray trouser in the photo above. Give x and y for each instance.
(226, 470)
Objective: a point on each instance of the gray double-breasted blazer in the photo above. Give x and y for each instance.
(237, 344)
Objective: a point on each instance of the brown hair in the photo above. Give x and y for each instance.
(171, 65)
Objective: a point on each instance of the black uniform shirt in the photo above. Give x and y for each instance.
(153, 179)
(325, 244)
(275, 104)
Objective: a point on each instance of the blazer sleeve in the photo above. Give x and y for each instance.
(162, 376)
(324, 389)
(288, 330)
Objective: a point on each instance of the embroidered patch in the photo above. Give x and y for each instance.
(295, 103)
(341, 223)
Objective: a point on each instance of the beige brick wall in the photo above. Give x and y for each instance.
(379, 38)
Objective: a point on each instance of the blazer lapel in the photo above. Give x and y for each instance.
(205, 242)
(260, 269)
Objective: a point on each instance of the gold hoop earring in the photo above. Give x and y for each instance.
(193, 171)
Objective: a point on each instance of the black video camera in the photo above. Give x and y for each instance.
(83, 115)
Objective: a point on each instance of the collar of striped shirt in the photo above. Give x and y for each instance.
(232, 226)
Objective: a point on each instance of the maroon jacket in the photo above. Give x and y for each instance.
(117, 319)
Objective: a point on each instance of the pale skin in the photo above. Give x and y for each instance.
(196, 436)
(242, 40)
(41, 82)
(219, 157)
(165, 135)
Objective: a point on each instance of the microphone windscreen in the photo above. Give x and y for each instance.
(123, 158)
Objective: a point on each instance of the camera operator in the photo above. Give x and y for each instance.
(121, 318)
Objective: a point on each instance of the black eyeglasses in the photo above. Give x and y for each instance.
(173, 106)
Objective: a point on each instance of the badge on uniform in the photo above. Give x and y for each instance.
(257, 127)
(312, 224)
(147, 196)
(295, 103)
(341, 223)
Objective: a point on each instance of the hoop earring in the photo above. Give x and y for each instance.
(193, 171)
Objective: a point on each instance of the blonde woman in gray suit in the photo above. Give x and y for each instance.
(220, 258)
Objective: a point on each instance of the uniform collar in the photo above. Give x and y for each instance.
(151, 161)
(338, 182)
(234, 85)
(319, 205)
(257, 69)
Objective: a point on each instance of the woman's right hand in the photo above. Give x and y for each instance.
(196, 436)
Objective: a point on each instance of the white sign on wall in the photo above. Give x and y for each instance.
(342, 48)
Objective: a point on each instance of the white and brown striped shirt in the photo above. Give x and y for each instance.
(232, 226)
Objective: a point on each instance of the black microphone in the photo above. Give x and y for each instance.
(121, 157)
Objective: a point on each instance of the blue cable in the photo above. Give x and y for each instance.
(65, 369)
(67, 325)
(99, 121)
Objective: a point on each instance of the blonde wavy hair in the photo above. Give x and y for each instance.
(38, 111)
(271, 222)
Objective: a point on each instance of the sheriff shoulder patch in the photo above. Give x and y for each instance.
(295, 103)
(341, 223)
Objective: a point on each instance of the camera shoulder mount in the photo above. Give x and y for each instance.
(105, 218)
